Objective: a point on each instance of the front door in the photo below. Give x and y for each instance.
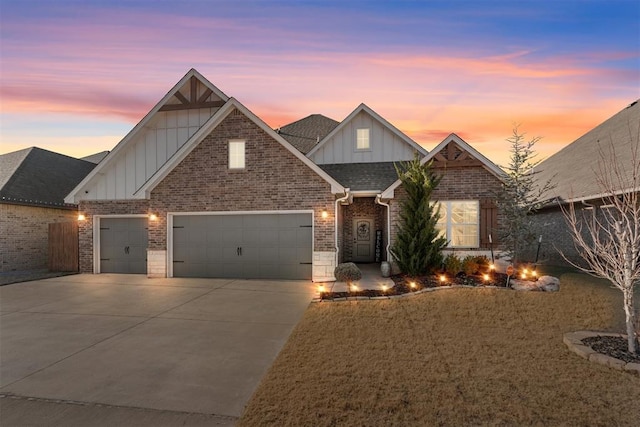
(363, 240)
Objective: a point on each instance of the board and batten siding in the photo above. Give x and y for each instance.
(385, 145)
(160, 139)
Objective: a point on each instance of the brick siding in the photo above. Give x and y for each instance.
(24, 235)
(460, 183)
(274, 179)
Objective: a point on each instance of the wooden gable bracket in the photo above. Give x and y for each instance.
(194, 102)
(453, 160)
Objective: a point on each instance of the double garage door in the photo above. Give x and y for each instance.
(251, 246)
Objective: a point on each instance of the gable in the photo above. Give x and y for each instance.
(153, 141)
(386, 143)
(453, 153)
(273, 178)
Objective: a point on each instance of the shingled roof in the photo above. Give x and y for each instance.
(305, 133)
(38, 177)
(363, 176)
(574, 168)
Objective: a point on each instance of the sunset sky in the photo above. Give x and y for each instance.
(76, 76)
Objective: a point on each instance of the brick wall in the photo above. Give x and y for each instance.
(274, 179)
(24, 232)
(362, 207)
(461, 183)
(111, 207)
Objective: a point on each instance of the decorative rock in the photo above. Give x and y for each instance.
(607, 360)
(544, 283)
(582, 351)
(524, 285)
(549, 283)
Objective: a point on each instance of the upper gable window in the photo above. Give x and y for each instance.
(362, 139)
(236, 155)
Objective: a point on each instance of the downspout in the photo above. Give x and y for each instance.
(335, 219)
(379, 201)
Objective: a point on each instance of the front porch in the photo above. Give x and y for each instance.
(371, 279)
(362, 231)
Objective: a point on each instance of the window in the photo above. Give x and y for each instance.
(459, 223)
(362, 139)
(236, 155)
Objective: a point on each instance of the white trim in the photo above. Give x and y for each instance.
(449, 225)
(354, 113)
(96, 235)
(72, 197)
(365, 193)
(389, 193)
(171, 215)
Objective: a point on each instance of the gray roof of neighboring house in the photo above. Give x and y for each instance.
(305, 133)
(575, 168)
(34, 176)
(363, 176)
(95, 158)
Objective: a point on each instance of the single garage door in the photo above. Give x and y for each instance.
(123, 245)
(250, 246)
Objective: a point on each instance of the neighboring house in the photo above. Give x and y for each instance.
(33, 184)
(95, 158)
(202, 187)
(575, 170)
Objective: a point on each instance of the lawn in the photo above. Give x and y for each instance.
(452, 357)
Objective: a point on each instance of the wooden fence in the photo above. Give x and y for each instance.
(63, 246)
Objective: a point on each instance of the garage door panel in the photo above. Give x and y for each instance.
(270, 246)
(123, 245)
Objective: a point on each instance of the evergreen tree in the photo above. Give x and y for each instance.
(520, 196)
(417, 246)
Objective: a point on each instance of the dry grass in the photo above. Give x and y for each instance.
(455, 357)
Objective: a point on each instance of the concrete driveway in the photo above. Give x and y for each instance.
(190, 346)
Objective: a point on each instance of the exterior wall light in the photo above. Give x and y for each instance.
(81, 217)
(153, 217)
(325, 214)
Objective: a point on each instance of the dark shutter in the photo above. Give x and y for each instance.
(488, 222)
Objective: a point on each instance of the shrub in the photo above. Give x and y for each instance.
(483, 263)
(470, 265)
(452, 265)
(347, 272)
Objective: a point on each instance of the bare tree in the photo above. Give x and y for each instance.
(609, 240)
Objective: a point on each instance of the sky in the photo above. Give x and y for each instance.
(77, 75)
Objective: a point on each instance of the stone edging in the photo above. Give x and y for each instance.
(316, 297)
(573, 340)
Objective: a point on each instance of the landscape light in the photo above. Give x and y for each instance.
(486, 277)
(354, 287)
(384, 288)
(492, 267)
(321, 289)
(413, 285)
(443, 278)
(523, 275)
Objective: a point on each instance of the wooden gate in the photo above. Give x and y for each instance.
(63, 246)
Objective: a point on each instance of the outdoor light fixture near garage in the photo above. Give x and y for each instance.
(153, 217)
(324, 214)
(81, 217)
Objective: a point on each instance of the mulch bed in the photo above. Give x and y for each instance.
(402, 285)
(612, 346)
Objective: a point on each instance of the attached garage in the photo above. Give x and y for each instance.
(247, 245)
(123, 245)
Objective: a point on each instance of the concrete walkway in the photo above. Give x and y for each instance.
(371, 279)
(193, 349)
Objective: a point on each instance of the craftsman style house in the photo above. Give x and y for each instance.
(202, 187)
